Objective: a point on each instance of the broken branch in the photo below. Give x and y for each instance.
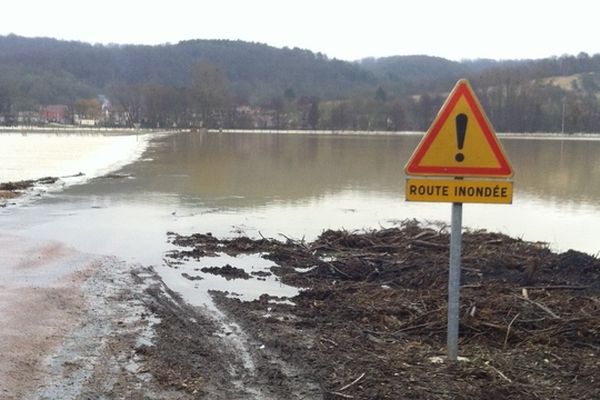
(540, 306)
(351, 383)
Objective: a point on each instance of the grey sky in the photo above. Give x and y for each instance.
(347, 30)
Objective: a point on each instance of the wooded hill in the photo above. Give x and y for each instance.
(240, 84)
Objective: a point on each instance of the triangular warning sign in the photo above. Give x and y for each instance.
(460, 142)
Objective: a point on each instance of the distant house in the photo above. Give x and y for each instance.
(255, 117)
(54, 113)
(117, 117)
(88, 122)
(82, 120)
(28, 117)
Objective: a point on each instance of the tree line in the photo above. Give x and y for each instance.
(234, 84)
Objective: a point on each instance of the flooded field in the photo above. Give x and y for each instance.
(297, 185)
(116, 227)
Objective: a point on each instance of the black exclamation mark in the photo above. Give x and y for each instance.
(461, 132)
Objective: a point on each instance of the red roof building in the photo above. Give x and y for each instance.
(54, 113)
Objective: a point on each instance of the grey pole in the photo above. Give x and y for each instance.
(454, 280)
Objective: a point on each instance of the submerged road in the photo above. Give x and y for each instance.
(41, 301)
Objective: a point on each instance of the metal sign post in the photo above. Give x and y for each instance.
(462, 144)
(454, 280)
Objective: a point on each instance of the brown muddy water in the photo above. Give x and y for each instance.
(295, 185)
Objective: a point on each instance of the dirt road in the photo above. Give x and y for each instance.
(76, 326)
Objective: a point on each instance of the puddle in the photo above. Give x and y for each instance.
(246, 277)
(194, 285)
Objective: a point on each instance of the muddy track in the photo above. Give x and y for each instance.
(208, 356)
(98, 359)
(140, 340)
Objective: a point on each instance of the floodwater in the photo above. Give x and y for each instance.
(294, 185)
(37, 155)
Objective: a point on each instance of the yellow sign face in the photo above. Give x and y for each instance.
(459, 191)
(460, 142)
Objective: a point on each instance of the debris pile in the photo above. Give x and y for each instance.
(371, 319)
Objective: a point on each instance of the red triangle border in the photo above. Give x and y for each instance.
(413, 166)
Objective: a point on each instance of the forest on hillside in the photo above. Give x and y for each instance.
(236, 84)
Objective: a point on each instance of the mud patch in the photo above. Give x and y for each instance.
(208, 357)
(191, 277)
(23, 185)
(13, 190)
(227, 271)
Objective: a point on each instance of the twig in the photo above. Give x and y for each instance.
(496, 370)
(491, 325)
(346, 396)
(334, 269)
(424, 233)
(287, 237)
(475, 270)
(418, 317)
(385, 248)
(324, 339)
(555, 356)
(295, 242)
(508, 330)
(429, 244)
(540, 306)
(473, 286)
(410, 328)
(351, 383)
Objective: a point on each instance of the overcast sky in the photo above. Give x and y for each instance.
(346, 29)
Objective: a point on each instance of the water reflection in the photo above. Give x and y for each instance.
(562, 170)
(255, 169)
(258, 166)
(246, 170)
